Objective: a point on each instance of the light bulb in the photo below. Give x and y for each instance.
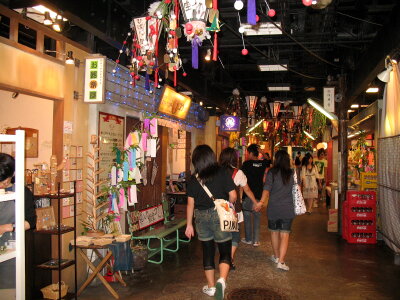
(171, 55)
(175, 50)
(238, 4)
(160, 79)
(241, 29)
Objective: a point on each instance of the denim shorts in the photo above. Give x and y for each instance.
(282, 225)
(208, 227)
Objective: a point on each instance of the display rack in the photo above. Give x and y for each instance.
(18, 196)
(359, 217)
(59, 264)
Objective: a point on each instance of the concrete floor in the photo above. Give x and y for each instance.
(323, 266)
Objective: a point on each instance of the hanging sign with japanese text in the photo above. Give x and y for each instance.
(94, 86)
(329, 99)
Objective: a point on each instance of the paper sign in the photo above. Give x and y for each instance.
(94, 86)
(151, 216)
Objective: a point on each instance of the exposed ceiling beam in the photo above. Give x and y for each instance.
(372, 62)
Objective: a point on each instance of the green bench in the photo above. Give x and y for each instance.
(162, 233)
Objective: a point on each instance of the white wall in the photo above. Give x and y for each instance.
(30, 112)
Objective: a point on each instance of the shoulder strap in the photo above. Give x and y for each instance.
(205, 189)
(234, 173)
(295, 176)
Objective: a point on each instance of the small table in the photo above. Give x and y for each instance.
(104, 263)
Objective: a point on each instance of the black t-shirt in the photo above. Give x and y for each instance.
(268, 162)
(254, 171)
(219, 186)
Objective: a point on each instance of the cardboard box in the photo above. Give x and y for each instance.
(333, 215)
(332, 226)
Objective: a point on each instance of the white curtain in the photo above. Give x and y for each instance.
(391, 104)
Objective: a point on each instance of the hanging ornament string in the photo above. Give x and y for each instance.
(176, 8)
(241, 30)
(215, 50)
(124, 43)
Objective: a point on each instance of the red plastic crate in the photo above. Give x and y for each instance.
(371, 215)
(361, 197)
(361, 228)
(362, 240)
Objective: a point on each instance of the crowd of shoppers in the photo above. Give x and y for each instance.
(259, 182)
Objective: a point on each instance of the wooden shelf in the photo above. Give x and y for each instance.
(7, 255)
(56, 195)
(55, 231)
(7, 197)
(64, 264)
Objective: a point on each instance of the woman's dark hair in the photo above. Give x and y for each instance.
(205, 163)
(306, 160)
(320, 152)
(7, 166)
(228, 158)
(297, 161)
(282, 164)
(253, 148)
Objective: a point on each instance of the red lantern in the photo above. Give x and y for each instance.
(245, 51)
(307, 2)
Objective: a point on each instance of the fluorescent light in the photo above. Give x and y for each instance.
(309, 135)
(355, 106)
(278, 88)
(277, 144)
(263, 28)
(372, 90)
(322, 110)
(272, 68)
(354, 134)
(350, 110)
(255, 126)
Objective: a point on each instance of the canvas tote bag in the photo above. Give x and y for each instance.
(226, 212)
(298, 200)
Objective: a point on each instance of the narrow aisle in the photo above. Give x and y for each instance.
(322, 266)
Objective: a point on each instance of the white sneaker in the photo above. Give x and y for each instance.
(282, 266)
(274, 259)
(210, 291)
(245, 241)
(220, 289)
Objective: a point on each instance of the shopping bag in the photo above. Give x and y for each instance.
(298, 200)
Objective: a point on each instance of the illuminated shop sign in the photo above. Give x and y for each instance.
(174, 104)
(230, 123)
(95, 72)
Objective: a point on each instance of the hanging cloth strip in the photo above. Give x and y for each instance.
(251, 12)
(196, 42)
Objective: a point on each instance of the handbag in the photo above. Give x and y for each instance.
(226, 212)
(298, 200)
(238, 202)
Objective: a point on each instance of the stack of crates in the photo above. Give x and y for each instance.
(359, 217)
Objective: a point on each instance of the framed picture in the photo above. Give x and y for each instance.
(31, 142)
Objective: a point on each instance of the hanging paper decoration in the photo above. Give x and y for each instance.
(265, 125)
(251, 12)
(195, 14)
(213, 18)
(277, 125)
(291, 124)
(297, 110)
(275, 108)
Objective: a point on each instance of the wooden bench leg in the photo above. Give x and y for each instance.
(95, 273)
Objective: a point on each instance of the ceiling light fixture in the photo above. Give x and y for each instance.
(309, 135)
(47, 20)
(372, 90)
(350, 110)
(279, 88)
(322, 110)
(57, 25)
(273, 68)
(354, 134)
(355, 106)
(69, 57)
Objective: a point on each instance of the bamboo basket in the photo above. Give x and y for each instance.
(51, 291)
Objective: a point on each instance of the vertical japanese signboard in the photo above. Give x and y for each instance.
(95, 71)
(329, 99)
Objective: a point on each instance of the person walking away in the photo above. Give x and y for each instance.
(277, 195)
(254, 169)
(321, 164)
(309, 182)
(201, 206)
(267, 160)
(228, 160)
